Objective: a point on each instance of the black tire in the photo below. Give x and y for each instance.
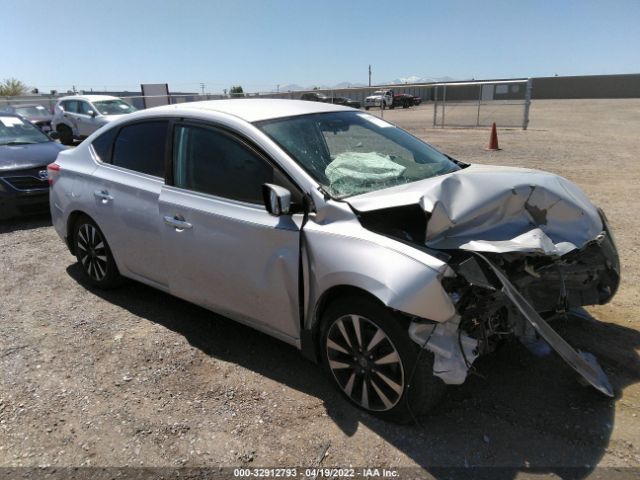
(406, 104)
(66, 135)
(94, 255)
(366, 108)
(392, 106)
(397, 377)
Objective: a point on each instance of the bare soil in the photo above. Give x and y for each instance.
(135, 377)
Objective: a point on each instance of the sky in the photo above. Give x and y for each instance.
(118, 44)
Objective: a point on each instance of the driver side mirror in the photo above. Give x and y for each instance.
(92, 113)
(277, 200)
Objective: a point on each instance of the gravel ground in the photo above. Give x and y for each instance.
(135, 377)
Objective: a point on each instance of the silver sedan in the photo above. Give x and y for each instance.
(392, 264)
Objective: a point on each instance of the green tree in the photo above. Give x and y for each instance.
(236, 91)
(12, 87)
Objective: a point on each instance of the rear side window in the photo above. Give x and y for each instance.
(102, 145)
(210, 161)
(70, 106)
(141, 147)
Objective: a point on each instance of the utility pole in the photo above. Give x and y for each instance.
(202, 88)
(369, 74)
(278, 88)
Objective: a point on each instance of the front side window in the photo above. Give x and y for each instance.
(141, 147)
(210, 161)
(84, 108)
(350, 153)
(113, 107)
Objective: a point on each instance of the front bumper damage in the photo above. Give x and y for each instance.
(493, 305)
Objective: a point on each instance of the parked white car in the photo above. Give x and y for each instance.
(78, 116)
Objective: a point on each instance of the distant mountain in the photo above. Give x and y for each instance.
(348, 85)
(411, 79)
(293, 87)
(418, 79)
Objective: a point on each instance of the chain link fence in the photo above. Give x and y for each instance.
(454, 104)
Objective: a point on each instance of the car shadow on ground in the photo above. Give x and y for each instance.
(25, 223)
(516, 414)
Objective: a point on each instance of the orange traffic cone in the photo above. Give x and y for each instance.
(493, 139)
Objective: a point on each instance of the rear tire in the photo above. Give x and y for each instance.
(94, 255)
(367, 351)
(366, 108)
(66, 135)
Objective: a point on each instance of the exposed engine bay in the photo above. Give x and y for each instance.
(518, 256)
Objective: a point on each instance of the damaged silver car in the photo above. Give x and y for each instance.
(392, 264)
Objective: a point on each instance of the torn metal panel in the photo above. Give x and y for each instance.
(582, 362)
(496, 209)
(454, 351)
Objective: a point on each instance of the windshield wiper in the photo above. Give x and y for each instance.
(18, 143)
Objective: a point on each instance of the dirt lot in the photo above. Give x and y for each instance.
(134, 377)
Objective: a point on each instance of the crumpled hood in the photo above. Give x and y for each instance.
(496, 209)
(19, 157)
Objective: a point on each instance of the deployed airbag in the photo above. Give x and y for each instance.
(351, 173)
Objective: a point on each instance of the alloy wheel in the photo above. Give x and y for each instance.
(365, 363)
(92, 251)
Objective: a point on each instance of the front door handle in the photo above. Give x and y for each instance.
(178, 222)
(103, 196)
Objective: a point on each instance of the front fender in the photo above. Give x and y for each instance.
(396, 279)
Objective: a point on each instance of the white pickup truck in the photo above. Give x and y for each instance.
(384, 97)
(388, 99)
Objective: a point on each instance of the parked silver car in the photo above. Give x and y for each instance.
(78, 116)
(391, 263)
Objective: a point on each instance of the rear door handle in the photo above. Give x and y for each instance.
(103, 196)
(178, 222)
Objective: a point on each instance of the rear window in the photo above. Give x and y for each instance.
(141, 147)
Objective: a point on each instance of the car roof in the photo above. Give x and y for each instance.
(26, 105)
(90, 98)
(255, 110)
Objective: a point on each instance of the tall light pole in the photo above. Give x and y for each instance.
(369, 74)
(202, 88)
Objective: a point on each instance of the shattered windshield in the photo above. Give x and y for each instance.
(350, 153)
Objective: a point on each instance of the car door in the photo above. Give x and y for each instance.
(70, 114)
(85, 120)
(223, 249)
(126, 191)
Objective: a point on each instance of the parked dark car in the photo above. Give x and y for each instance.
(321, 97)
(315, 97)
(25, 152)
(37, 114)
(347, 102)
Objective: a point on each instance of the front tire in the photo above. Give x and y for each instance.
(367, 352)
(66, 135)
(94, 255)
